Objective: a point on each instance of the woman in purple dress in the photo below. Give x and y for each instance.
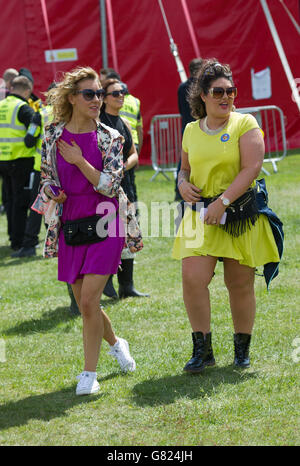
(82, 158)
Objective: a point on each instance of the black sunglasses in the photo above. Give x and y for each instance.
(117, 93)
(218, 92)
(89, 94)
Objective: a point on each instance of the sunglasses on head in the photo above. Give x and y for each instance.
(117, 93)
(218, 92)
(216, 69)
(89, 94)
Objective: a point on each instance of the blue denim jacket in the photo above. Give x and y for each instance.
(271, 269)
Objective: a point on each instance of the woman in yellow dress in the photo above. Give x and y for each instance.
(222, 154)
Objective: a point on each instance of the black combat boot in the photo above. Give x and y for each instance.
(202, 353)
(241, 349)
(109, 290)
(125, 277)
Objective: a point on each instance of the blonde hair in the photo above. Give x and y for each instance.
(58, 96)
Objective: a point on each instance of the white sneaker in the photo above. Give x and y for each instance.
(87, 383)
(120, 351)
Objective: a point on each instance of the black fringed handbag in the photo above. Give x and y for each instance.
(241, 214)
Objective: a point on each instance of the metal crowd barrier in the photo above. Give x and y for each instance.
(271, 120)
(165, 133)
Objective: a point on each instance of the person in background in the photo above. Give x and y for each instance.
(110, 116)
(222, 154)
(34, 219)
(16, 156)
(33, 100)
(82, 169)
(130, 111)
(7, 78)
(184, 107)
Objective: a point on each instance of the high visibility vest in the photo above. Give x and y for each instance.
(131, 111)
(12, 131)
(47, 116)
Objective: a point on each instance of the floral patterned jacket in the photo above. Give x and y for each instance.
(110, 144)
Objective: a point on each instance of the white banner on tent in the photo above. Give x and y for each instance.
(261, 84)
(61, 55)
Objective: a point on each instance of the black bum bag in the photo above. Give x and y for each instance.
(241, 214)
(84, 231)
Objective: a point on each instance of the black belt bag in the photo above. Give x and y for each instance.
(84, 231)
(241, 214)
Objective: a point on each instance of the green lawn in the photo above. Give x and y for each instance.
(41, 350)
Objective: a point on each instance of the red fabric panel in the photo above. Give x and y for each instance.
(234, 31)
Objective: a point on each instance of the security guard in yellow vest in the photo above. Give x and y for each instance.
(34, 219)
(16, 156)
(131, 110)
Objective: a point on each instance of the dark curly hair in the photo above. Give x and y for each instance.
(210, 70)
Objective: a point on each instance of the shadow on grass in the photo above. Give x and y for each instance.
(46, 322)
(19, 261)
(168, 389)
(41, 407)
(5, 251)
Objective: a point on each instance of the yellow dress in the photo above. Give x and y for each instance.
(215, 162)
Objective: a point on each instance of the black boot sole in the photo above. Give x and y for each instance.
(201, 369)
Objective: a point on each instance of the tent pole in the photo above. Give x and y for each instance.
(103, 33)
(112, 34)
(190, 28)
(173, 46)
(297, 26)
(46, 21)
(282, 56)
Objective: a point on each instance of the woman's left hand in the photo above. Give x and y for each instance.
(71, 153)
(214, 213)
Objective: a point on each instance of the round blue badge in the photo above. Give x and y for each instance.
(225, 137)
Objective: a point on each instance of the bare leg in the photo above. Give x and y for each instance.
(197, 272)
(239, 280)
(87, 293)
(108, 333)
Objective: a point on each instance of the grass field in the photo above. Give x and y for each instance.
(41, 351)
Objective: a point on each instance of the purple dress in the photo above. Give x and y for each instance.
(82, 201)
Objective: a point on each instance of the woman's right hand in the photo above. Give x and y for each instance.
(60, 199)
(189, 192)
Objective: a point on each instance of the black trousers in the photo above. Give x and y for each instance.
(16, 176)
(34, 220)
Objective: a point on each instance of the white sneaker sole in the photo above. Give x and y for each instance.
(84, 391)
